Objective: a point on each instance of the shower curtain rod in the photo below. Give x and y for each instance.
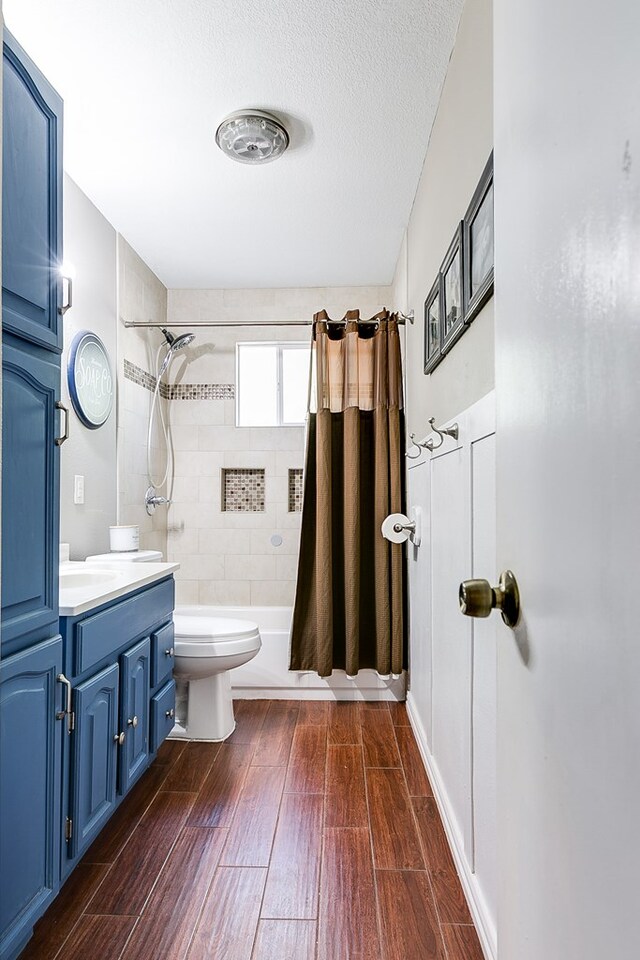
(402, 319)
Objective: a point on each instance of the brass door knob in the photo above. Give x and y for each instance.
(119, 738)
(133, 723)
(478, 598)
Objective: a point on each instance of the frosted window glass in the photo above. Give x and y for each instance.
(257, 385)
(295, 384)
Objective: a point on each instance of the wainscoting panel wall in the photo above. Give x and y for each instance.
(452, 695)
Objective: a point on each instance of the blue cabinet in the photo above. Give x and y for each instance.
(30, 498)
(31, 733)
(32, 727)
(95, 756)
(108, 659)
(31, 202)
(135, 713)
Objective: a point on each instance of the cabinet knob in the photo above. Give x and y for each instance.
(169, 652)
(170, 713)
(133, 723)
(478, 598)
(119, 738)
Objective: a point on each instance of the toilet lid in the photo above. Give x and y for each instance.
(131, 556)
(193, 627)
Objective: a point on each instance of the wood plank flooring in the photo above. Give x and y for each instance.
(311, 834)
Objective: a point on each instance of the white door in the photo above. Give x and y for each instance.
(567, 221)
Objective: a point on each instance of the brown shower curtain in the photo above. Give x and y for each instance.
(349, 607)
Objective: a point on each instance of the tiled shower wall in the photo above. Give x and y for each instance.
(141, 297)
(237, 557)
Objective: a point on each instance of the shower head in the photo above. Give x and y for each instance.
(175, 344)
(178, 343)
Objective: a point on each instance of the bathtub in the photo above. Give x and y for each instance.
(267, 675)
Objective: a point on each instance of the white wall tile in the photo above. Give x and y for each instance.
(270, 593)
(287, 567)
(225, 438)
(225, 541)
(276, 438)
(187, 591)
(250, 567)
(261, 542)
(197, 412)
(185, 437)
(289, 460)
(186, 490)
(200, 567)
(225, 592)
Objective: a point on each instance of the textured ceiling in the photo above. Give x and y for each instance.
(146, 82)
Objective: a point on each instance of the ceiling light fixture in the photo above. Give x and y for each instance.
(252, 136)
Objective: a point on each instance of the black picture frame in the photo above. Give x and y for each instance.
(433, 326)
(479, 246)
(452, 293)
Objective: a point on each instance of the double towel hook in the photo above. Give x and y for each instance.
(429, 445)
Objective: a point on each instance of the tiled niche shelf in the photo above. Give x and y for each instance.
(243, 490)
(295, 490)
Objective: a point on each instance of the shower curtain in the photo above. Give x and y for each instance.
(349, 609)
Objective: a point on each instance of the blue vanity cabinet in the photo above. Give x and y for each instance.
(32, 728)
(94, 745)
(31, 202)
(108, 659)
(134, 756)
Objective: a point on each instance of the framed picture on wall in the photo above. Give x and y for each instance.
(478, 246)
(433, 326)
(452, 324)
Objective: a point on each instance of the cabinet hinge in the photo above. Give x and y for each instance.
(68, 829)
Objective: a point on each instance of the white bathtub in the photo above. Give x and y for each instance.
(267, 675)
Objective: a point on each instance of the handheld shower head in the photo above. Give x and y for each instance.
(179, 343)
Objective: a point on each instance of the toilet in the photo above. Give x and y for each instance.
(206, 648)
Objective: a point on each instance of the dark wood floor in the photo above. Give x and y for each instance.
(311, 834)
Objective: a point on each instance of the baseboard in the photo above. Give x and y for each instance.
(393, 690)
(482, 921)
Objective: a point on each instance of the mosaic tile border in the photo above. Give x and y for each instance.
(243, 490)
(202, 391)
(295, 489)
(179, 391)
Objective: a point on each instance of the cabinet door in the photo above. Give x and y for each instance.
(30, 778)
(135, 712)
(95, 752)
(31, 201)
(30, 498)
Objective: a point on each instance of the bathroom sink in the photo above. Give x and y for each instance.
(72, 579)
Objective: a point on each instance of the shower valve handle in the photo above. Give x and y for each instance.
(151, 500)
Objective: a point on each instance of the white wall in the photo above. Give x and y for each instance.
(111, 281)
(227, 558)
(90, 245)
(459, 147)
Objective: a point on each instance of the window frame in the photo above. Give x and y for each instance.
(280, 346)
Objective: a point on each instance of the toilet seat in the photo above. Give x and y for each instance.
(206, 636)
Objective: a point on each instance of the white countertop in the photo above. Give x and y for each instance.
(128, 577)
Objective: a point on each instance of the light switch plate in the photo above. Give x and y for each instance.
(78, 488)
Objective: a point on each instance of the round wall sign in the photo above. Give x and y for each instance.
(90, 380)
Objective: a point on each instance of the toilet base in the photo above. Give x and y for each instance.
(209, 711)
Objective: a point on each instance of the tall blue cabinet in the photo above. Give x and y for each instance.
(32, 717)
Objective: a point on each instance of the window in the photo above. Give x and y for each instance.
(271, 384)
